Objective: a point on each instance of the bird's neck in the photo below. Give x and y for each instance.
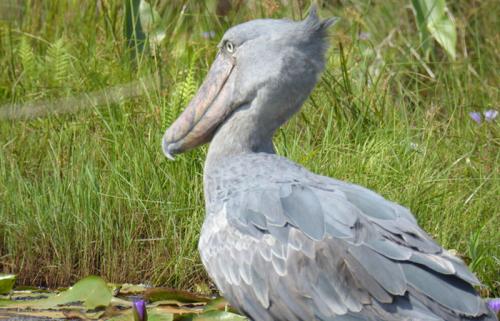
(242, 133)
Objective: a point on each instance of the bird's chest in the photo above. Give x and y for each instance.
(214, 226)
(221, 245)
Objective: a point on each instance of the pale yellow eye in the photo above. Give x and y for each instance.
(229, 47)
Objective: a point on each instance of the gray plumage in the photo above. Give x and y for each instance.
(282, 243)
(285, 244)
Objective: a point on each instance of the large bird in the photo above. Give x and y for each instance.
(282, 243)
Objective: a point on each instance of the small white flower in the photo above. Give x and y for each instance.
(490, 115)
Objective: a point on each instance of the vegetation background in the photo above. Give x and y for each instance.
(85, 188)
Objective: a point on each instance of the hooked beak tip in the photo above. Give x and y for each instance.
(166, 150)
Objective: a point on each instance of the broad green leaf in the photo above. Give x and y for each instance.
(217, 304)
(421, 16)
(445, 33)
(151, 24)
(41, 315)
(153, 315)
(128, 289)
(4, 303)
(7, 283)
(213, 316)
(29, 295)
(166, 294)
(28, 288)
(90, 292)
(157, 316)
(433, 20)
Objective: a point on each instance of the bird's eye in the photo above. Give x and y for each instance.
(229, 47)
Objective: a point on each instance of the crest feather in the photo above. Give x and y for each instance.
(315, 24)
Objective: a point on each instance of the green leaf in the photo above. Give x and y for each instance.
(153, 315)
(7, 303)
(433, 20)
(131, 289)
(151, 24)
(90, 292)
(7, 282)
(421, 16)
(156, 315)
(167, 294)
(445, 33)
(213, 316)
(217, 304)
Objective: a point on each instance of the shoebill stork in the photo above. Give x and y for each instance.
(281, 242)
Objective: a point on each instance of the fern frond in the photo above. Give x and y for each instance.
(27, 57)
(58, 62)
(189, 85)
(183, 91)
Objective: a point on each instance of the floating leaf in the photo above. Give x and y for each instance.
(213, 316)
(30, 289)
(7, 283)
(29, 295)
(176, 303)
(82, 300)
(153, 315)
(90, 292)
(167, 294)
(48, 314)
(218, 304)
(156, 315)
(7, 303)
(131, 289)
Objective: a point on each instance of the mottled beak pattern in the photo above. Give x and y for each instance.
(209, 107)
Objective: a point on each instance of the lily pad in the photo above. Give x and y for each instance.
(167, 294)
(32, 289)
(219, 304)
(7, 303)
(88, 297)
(7, 283)
(26, 295)
(49, 315)
(212, 316)
(153, 315)
(131, 289)
(90, 292)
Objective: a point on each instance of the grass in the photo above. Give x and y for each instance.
(89, 192)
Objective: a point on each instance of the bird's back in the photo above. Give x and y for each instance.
(285, 244)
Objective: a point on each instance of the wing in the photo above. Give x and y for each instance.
(329, 250)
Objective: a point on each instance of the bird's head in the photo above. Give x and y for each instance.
(266, 67)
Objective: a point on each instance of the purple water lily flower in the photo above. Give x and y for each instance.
(494, 305)
(490, 115)
(139, 310)
(476, 116)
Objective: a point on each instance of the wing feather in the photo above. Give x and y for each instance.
(331, 250)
